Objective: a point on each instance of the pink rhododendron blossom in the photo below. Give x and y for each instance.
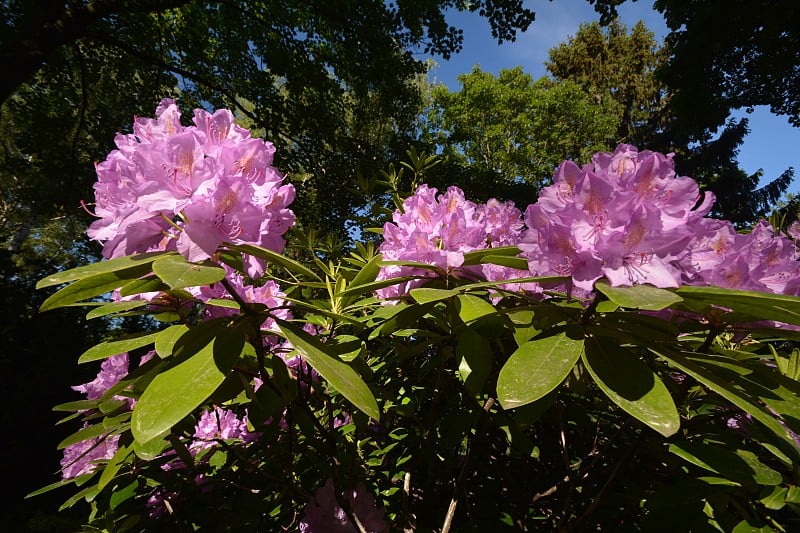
(112, 370)
(81, 458)
(323, 514)
(438, 230)
(219, 424)
(190, 188)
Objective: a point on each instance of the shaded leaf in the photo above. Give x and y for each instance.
(631, 385)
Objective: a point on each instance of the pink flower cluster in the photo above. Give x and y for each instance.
(170, 187)
(439, 230)
(625, 217)
(82, 457)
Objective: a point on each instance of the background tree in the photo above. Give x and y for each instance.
(504, 135)
(625, 67)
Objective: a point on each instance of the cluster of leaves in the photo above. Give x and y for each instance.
(464, 406)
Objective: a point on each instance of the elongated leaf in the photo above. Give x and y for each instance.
(336, 372)
(113, 466)
(178, 273)
(476, 257)
(425, 295)
(645, 297)
(722, 386)
(115, 307)
(109, 348)
(631, 385)
(536, 368)
(367, 274)
(519, 263)
(737, 465)
(166, 339)
(375, 285)
(476, 359)
(755, 305)
(139, 261)
(176, 392)
(89, 432)
(92, 286)
(472, 307)
(273, 257)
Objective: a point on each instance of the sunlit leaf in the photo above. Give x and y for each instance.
(176, 392)
(337, 373)
(139, 263)
(118, 346)
(178, 273)
(536, 368)
(645, 297)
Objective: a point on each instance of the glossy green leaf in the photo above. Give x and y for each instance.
(476, 257)
(273, 257)
(115, 307)
(475, 356)
(737, 465)
(336, 372)
(178, 273)
(374, 286)
(425, 295)
(631, 384)
(518, 263)
(149, 450)
(471, 307)
(89, 432)
(722, 385)
(748, 304)
(90, 287)
(176, 392)
(118, 346)
(150, 283)
(166, 339)
(645, 297)
(536, 368)
(138, 262)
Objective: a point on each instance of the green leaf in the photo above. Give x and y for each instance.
(176, 392)
(536, 368)
(90, 287)
(138, 262)
(336, 372)
(476, 257)
(178, 273)
(113, 466)
(425, 295)
(475, 356)
(374, 286)
(631, 385)
(273, 257)
(645, 297)
(166, 339)
(518, 263)
(118, 346)
(737, 465)
(722, 385)
(149, 450)
(752, 305)
(150, 283)
(89, 432)
(115, 307)
(472, 308)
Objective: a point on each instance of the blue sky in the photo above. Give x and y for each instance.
(772, 145)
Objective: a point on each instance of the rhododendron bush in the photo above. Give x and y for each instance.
(606, 358)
